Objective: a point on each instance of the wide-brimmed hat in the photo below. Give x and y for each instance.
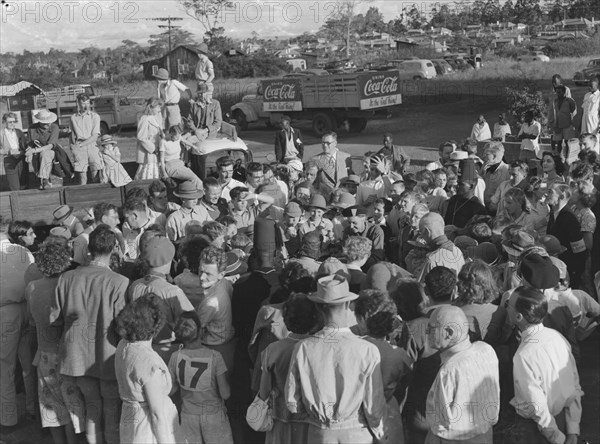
(159, 251)
(332, 290)
(45, 116)
(188, 190)
(318, 201)
(345, 200)
(485, 251)
(552, 245)
(539, 271)
(162, 74)
(355, 210)
(107, 139)
(203, 48)
(61, 213)
(519, 241)
(353, 178)
(61, 231)
(293, 209)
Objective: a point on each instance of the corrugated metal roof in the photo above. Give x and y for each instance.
(13, 90)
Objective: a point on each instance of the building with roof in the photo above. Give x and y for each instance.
(180, 62)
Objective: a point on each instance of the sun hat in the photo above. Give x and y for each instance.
(318, 201)
(61, 213)
(432, 166)
(295, 164)
(188, 190)
(332, 290)
(382, 276)
(552, 245)
(162, 74)
(539, 271)
(45, 116)
(61, 231)
(345, 200)
(486, 251)
(203, 48)
(106, 139)
(293, 209)
(519, 241)
(159, 251)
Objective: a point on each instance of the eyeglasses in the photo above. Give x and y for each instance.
(11, 121)
(326, 143)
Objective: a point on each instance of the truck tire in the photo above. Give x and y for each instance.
(240, 118)
(322, 123)
(104, 129)
(357, 124)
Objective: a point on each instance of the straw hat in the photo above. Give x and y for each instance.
(45, 116)
(162, 74)
(188, 190)
(332, 290)
(61, 213)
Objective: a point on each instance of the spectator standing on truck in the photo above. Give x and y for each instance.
(169, 91)
(43, 135)
(332, 163)
(396, 154)
(206, 118)
(204, 71)
(591, 107)
(85, 130)
(288, 142)
(12, 148)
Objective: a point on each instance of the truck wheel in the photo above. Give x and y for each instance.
(322, 123)
(104, 128)
(357, 125)
(240, 118)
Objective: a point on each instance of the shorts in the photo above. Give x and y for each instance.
(61, 401)
(209, 427)
(86, 156)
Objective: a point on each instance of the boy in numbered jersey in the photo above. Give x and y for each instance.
(201, 375)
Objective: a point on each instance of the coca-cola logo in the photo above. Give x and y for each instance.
(386, 85)
(286, 91)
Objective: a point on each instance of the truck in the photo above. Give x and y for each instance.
(329, 101)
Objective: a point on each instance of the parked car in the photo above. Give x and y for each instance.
(592, 70)
(415, 69)
(458, 63)
(442, 67)
(118, 112)
(533, 58)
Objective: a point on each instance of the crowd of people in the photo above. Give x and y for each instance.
(299, 302)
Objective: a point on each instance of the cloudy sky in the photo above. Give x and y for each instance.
(72, 25)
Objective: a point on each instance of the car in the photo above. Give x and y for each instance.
(415, 69)
(592, 70)
(533, 58)
(442, 67)
(458, 63)
(118, 112)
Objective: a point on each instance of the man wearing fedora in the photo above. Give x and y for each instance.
(205, 117)
(12, 148)
(204, 72)
(335, 376)
(85, 130)
(169, 91)
(189, 211)
(43, 136)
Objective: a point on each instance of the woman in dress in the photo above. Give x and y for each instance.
(149, 136)
(148, 415)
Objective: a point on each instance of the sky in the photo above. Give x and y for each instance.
(72, 25)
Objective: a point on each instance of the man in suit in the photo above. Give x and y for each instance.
(206, 116)
(288, 142)
(12, 148)
(333, 164)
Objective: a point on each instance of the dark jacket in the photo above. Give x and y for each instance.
(5, 146)
(280, 144)
(61, 167)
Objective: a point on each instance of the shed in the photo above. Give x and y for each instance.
(21, 99)
(182, 60)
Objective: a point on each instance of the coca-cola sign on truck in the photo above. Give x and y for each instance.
(378, 85)
(281, 91)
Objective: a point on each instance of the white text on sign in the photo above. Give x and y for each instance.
(378, 102)
(282, 106)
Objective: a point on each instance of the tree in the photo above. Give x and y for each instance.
(414, 18)
(492, 12)
(159, 43)
(208, 13)
(373, 21)
(508, 11)
(396, 26)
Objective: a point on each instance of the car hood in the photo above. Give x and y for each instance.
(591, 69)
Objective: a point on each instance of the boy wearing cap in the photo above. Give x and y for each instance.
(158, 254)
(85, 130)
(359, 226)
(288, 142)
(289, 225)
(337, 383)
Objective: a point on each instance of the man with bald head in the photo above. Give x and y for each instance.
(445, 253)
(464, 400)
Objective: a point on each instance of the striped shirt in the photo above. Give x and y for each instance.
(464, 400)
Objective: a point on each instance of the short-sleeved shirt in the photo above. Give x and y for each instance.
(215, 313)
(196, 371)
(84, 126)
(178, 220)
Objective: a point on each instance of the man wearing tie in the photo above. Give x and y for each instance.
(333, 164)
(206, 117)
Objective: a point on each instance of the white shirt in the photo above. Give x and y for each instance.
(531, 144)
(170, 91)
(460, 399)
(13, 141)
(546, 382)
(230, 186)
(500, 131)
(590, 107)
(481, 132)
(14, 262)
(378, 187)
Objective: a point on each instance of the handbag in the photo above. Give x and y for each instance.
(259, 416)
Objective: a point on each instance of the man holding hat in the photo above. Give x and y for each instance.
(159, 253)
(335, 378)
(288, 142)
(205, 117)
(43, 135)
(462, 207)
(85, 130)
(189, 211)
(169, 91)
(204, 72)
(359, 226)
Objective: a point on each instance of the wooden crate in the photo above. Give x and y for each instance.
(87, 196)
(35, 206)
